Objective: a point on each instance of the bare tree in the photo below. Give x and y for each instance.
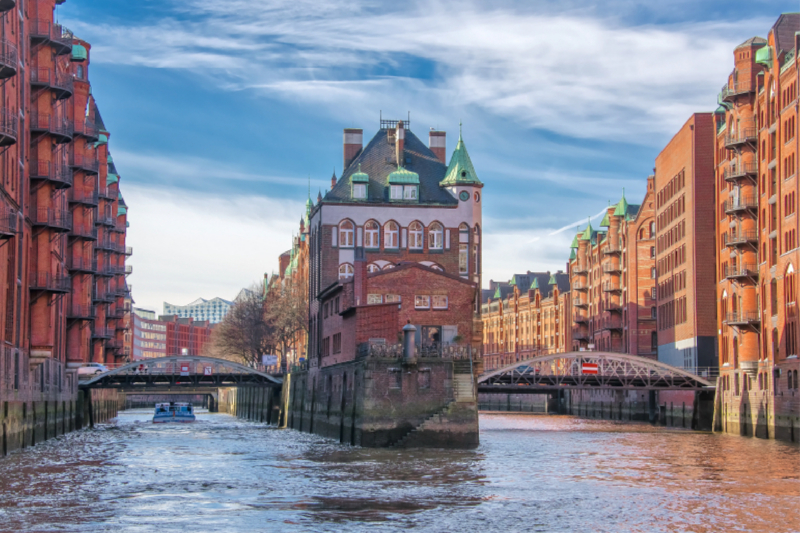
(287, 312)
(246, 332)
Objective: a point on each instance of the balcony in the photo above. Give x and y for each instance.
(102, 333)
(87, 164)
(101, 295)
(614, 308)
(742, 271)
(60, 129)
(128, 270)
(81, 264)
(106, 194)
(120, 227)
(9, 59)
(741, 137)
(580, 319)
(114, 344)
(81, 231)
(8, 224)
(129, 251)
(611, 268)
(730, 92)
(740, 170)
(104, 220)
(612, 248)
(105, 270)
(77, 196)
(86, 129)
(578, 302)
(745, 318)
(740, 238)
(611, 324)
(47, 282)
(611, 287)
(580, 269)
(45, 31)
(8, 127)
(53, 218)
(59, 175)
(579, 334)
(737, 205)
(80, 312)
(59, 82)
(117, 312)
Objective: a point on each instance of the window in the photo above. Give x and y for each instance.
(345, 271)
(439, 302)
(422, 302)
(435, 237)
(653, 312)
(410, 192)
(371, 234)
(372, 268)
(477, 269)
(359, 191)
(415, 236)
(392, 298)
(396, 192)
(346, 234)
(653, 273)
(652, 252)
(390, 233)
(463, 260)
(374, 299)
(337, 343)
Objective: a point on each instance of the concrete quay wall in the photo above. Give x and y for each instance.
(257, 404)
(766, 414)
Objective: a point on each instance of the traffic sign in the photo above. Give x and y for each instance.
(589, 368)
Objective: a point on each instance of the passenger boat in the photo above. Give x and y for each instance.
(173, 412)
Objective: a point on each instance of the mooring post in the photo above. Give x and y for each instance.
(409, 343)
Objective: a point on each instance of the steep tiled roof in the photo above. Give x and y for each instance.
(784, 28)
(753, 40)
(378, 161)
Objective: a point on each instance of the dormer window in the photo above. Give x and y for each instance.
(359, 181)
(359, 191)
(409, 192)
(397, 192)
(403, 185)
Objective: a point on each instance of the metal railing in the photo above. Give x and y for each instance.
(744, 135)
(742, 203)
(86, 129)
(580, 286)
(612, 248)
(8, 127)
(741, 271)
(81, 264)
(86, 312)
(128, 250)
(80, 230)
(8, 222)
(78, 196)
(434, 350)
(742, 317)
(59, 219)
(102, 332)
(60, 82)
(46, 281)
(104, 220)
(610, 268)
(61, 175)
(105, 193)
(61, 128)
(611, 287)
(735, 89)
(9, 58)
(45, 30)
(740, 170)
(128, 270)
(83, 162)
(741, 237)
(579, 318)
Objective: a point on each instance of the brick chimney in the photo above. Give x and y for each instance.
(399, 142)
(353, 143)
(360, 277)
(437, 142)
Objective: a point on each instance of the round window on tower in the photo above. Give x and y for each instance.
(477, 197)
(464, 196)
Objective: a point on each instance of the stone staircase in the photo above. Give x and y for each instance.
(463, 392)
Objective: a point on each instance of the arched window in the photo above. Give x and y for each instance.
(346, 232)
(345, 271)
(390, 235)
(435, 237)
(652, 229)
(372, 268)
(371, 234)
(79, 71)
(415, 236)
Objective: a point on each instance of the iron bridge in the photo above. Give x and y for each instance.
(189, 372)
(589, 370)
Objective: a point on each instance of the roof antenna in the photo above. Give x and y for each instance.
(459, 129)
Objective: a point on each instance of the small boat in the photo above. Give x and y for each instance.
(173, 412)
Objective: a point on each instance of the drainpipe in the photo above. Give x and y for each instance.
(409, 344)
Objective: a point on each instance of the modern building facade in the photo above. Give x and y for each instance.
(685, 248)
(213, 310)
(149, 339)
(526, 317)
(757, 199)
(613, 280)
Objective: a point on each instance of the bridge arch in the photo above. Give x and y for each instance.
(578, 370)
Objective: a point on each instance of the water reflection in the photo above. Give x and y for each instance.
(532, 473)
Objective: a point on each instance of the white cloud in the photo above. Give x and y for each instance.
(184, 242)
(573, 72)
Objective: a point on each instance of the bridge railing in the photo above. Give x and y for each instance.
(434, 350)
(178, 367)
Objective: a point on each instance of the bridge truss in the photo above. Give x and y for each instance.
(589, 370)
(190, 372)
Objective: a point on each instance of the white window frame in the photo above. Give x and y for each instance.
(396, 192)
(392, 298)
(422, 301)
(345, 271)
(372, 234)
(346, 236)
(463, 259)
(435, 237)
(373, 299)
(359, 191)
(415, 236)
(372, 268)
(409, 192)
(439, 296)
(391, 235)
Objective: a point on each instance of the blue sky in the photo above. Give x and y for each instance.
(220, 112)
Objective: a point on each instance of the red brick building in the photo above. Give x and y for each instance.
(62, 217)
(685, 248)
(613, 280)
(527, 316)
(185, 336)
(757, 200)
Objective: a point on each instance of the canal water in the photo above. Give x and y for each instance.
(531, 473)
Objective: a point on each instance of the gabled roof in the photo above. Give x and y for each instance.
(460, 170)
(784, 30)
(378, 160)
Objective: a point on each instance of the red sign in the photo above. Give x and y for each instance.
(184, 369)
(589, 368)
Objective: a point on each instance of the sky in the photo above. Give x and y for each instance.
(221, 113)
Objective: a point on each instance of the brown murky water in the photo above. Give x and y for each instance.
(531, 473)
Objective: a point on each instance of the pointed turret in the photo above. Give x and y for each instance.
(622, 206)
(460, 171)
(535, 285)
(552, 280)
(587, 233)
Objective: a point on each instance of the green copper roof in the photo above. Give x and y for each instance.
(574, 241)
(513, 280)
(110, 159)
(605, 222)
(460, 171)
(79, 53)
(535, 283)
(622, 206)
(764, 56)
(403, 176)
(572, 254)
(552, 280)
(101, 139)
(587, 233)
(363, 177)
(121, 210)
(497, 292)
(112, 178)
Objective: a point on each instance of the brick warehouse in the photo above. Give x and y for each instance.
(396, 241)
(756, 174)
(613, 280)
(685, 257)
(525, 317)
(62, 222)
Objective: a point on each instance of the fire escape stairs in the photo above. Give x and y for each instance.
(463, 392)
